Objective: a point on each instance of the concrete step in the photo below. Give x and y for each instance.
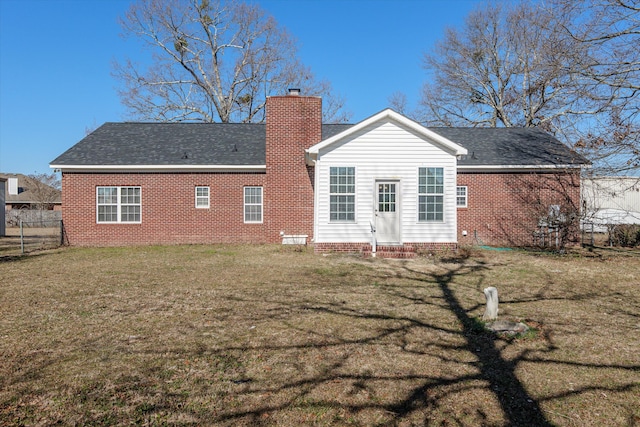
(392, 252)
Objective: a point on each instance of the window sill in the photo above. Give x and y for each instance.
(118, 223)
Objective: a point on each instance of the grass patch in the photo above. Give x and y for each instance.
(258, 335)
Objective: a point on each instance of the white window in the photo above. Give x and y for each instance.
(342, 193)
(202, 197)
(118, 205)
(431, 194)
(461, 196)
(253, 204)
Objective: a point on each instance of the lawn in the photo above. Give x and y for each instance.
(271, 335)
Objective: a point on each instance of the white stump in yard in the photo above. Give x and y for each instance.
(491, 313)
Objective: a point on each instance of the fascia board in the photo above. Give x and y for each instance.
(159, 168)
(309, 158)
(392, 115)
(515, 168)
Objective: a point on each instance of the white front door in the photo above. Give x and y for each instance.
(387, 213)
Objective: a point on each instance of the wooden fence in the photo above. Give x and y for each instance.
(33, 217)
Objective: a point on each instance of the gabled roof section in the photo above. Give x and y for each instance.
(389, 114)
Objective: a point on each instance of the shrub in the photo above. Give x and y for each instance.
(626, 235)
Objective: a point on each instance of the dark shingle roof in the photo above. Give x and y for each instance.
(510, 147)
(169, 144)
(243, 144)
(333, 129)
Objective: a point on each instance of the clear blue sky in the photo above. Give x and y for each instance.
(56, 56)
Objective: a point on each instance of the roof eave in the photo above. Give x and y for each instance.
(158, 168)
(517, 168)
(388, 113)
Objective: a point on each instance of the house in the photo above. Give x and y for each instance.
(386, 183)
(25, 192)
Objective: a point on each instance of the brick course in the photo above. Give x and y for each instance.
(365, 248)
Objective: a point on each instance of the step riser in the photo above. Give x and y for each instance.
(393, 252)
(392, 255)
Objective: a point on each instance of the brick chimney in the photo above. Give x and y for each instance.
(294, 123)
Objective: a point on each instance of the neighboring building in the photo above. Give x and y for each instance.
(24, 192)
(295, 179)
(612, 200)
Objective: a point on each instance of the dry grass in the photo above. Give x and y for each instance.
(266, 335)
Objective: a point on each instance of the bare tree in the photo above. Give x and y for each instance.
(572, 68)
(45, 189)
(398, 101)
(212, 61)
(608, 32)
(505, 68)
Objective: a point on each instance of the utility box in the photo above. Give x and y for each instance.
(297, 239)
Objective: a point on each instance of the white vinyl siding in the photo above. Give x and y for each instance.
(385, 151)
(118, 205)
(252, 204)
(202, 197)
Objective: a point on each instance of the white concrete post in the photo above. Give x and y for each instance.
(491, 313)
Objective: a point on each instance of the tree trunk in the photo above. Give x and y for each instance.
(491, 313)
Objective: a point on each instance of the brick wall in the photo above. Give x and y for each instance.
(294, 123)
(504, 208)
(169, 215)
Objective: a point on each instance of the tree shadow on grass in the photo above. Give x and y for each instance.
(518, 406)
(334, 385)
